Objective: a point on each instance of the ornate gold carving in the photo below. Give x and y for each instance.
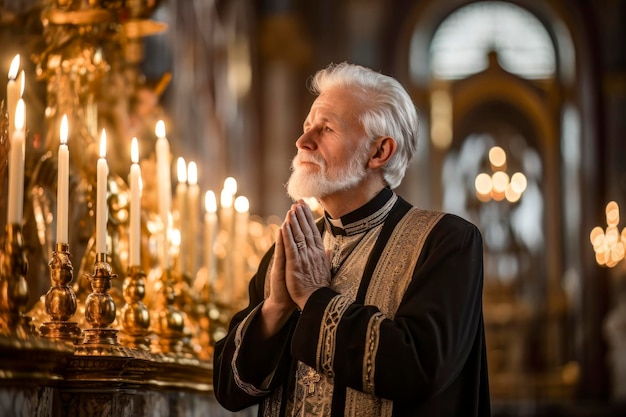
(13, 286)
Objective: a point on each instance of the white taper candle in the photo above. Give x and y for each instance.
(101, 197)
(16, 167)
(164, 187)
(134, 179)
(63, 180)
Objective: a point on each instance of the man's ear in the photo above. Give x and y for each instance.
(385, 149)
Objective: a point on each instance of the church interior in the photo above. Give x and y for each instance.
(156, 138)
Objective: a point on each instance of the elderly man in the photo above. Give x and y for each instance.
(375, 309)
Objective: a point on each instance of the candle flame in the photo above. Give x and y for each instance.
(230, 185)
(160, 129)
(64, 129)
(242, 205)
(15, 66)
(22, 79)
(210, 202)
(103, 144)
(97, 56)
(181, 168)
(175, 237)
(192, 173)
(20, 114)
(134, 151)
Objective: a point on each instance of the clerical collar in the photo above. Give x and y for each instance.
(365, 217)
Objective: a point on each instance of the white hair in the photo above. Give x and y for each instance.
(389, 111)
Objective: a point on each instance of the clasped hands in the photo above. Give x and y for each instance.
(301, 264)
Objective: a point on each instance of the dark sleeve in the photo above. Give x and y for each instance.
(424, 348)
(245, 366)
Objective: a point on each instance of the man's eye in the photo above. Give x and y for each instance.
(327, 129)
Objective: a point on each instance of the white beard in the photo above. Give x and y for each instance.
(305, 182)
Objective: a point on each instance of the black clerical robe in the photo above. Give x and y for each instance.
(399, 332)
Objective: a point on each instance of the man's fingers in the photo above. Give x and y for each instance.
(291, 241)
(279, 249)
(317, 237)
(295, 228)
(306, 224)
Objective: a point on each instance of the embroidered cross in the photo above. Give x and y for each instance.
(310, 379)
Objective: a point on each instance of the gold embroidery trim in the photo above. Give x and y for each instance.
(246, 387)
(369, 358)
(271, 404)
(394, 270)
(360, 404)
(372, 220)
(328, 333)
(389, 282)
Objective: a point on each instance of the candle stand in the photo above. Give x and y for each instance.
(13, 285)
(169, 322)
(135, 316)
(100, 339)
(60, 299)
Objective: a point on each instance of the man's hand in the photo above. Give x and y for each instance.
(307, 266)
(279, 305)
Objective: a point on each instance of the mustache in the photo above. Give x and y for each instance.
(306, 157)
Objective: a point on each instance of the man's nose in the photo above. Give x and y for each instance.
(306, 141)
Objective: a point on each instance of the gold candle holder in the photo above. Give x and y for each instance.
(170, 323)
(61, 299)
(13, 285)
(100, 339)
(135, 315)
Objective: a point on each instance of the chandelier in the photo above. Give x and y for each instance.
(608, 243)
(498, 185)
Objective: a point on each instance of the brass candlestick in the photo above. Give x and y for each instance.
(135, 315)
(13, 285)
(100, 339)
(61, 299)
(169, 324)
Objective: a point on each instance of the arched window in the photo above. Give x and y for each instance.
(462, 42)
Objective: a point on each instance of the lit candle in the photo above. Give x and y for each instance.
(226, 225)
(181, 207)
(101, 197)
(16, 167)
(134, 179)
(210, 234)
(63, 180)
(242, 207)
(226, 204)
(13, 92)
(165, 187)
(193, 208)
(242, 210)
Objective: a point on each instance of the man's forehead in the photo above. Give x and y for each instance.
(337, 105)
